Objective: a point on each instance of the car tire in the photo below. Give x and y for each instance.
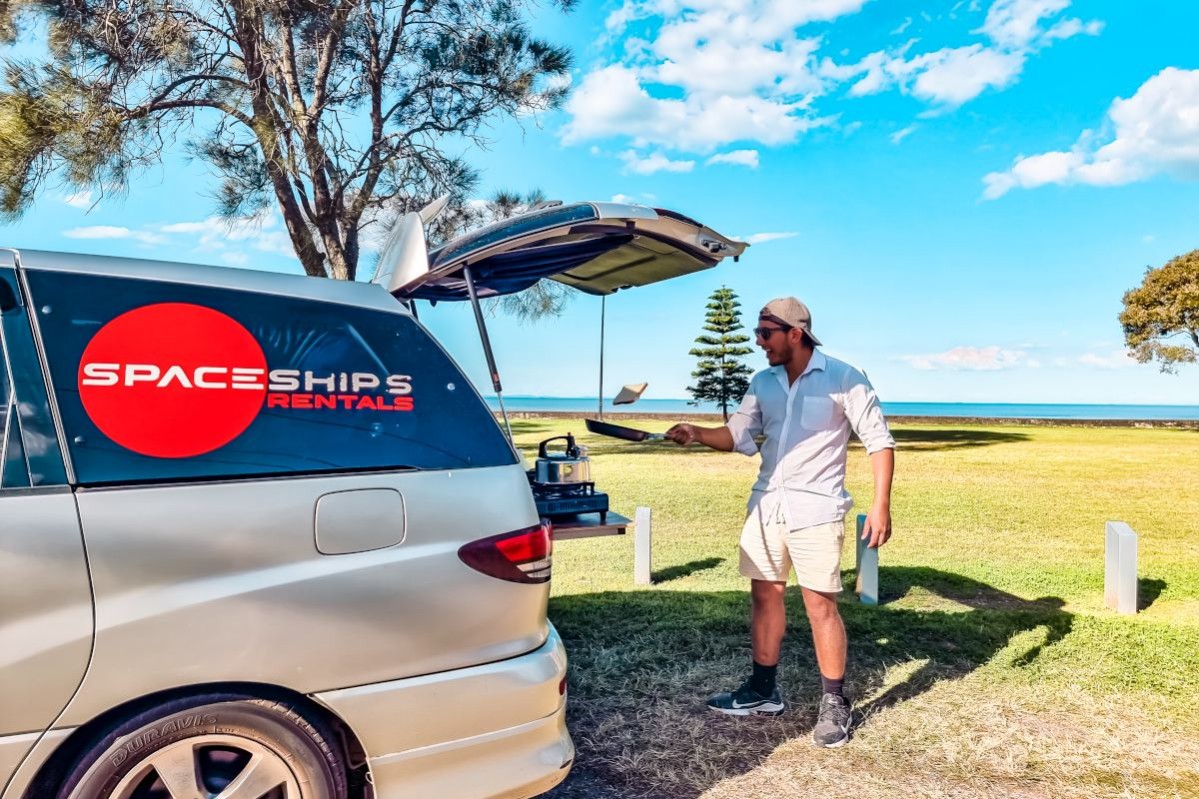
(200, 747)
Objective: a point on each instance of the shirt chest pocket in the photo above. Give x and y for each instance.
(818, 413)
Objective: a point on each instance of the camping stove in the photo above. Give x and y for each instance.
(558, 500)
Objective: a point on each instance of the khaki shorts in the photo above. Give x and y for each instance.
(769, 549)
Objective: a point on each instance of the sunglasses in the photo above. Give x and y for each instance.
(765, 333)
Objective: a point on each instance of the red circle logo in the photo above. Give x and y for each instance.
(172, 380)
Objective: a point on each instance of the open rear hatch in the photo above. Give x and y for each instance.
(598, 248)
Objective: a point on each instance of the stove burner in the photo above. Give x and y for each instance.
(568, 499)
(560, 490)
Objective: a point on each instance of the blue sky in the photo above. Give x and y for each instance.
(961, 191)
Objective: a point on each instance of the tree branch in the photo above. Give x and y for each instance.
(329, 47)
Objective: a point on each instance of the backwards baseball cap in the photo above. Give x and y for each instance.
(790, 312)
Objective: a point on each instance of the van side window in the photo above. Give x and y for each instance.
(30, 455)
(14, 471)
(168, 381)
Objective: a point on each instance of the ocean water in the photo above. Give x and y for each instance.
(589, 406)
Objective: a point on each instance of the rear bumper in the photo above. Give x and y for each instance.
(496, 731)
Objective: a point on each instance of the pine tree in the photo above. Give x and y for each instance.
(720, 376)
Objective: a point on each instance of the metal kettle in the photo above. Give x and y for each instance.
(571, 466)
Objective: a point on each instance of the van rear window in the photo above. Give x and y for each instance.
(168, 381)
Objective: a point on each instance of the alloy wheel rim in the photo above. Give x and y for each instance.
(211, 767)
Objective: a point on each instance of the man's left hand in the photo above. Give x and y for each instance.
(877, 528)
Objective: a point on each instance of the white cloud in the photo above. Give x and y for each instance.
(605, 102)
(1016, 24)
(220, 238)
(704, 56)
(98, 232)
(262, 232)
(1032, 171)
(621, 17)
(112, 232)
(611, 102)
(1115, 359)
(952, 76)
(900, 135)
(1156, 131)
(80, 199)
(694, 76)
(762, 238)
(756, 17)
(747, 158)
(975, 359)
(1068, 28)
(710, 72)
(654, 162)
(874, 70)
(623, 199)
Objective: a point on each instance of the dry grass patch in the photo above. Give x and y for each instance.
(968, 740)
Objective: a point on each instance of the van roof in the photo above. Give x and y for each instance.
(343, 292)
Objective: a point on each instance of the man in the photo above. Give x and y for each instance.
(805, 405)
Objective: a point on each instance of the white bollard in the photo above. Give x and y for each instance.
(1126, 582)
(867, 567)
(1111, 561)
(1120, 568)
(643, 548)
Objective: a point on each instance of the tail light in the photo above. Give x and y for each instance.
(522, 556)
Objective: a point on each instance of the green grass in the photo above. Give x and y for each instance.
(991, 668)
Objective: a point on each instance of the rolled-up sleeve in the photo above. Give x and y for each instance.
(865, 414)
(746, 423)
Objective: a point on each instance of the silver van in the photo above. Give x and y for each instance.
(260, 538)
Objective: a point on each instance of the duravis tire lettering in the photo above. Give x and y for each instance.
(176, 380)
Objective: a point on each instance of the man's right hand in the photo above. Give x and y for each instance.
(683, 434)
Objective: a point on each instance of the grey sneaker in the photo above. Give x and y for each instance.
(745, 701)
(832, 725)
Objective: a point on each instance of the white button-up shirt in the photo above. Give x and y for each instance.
(806, 426)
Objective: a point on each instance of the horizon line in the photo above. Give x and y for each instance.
(884, 402)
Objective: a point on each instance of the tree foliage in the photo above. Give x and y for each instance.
(720, 376)
(341, 112)
(1161, 316)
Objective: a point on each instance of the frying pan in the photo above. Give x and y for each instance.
(619, 431)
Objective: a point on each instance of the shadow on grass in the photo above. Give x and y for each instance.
(685, 569)
(644, 662)
(1148, 590)
(951, 438)
(529, 427)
